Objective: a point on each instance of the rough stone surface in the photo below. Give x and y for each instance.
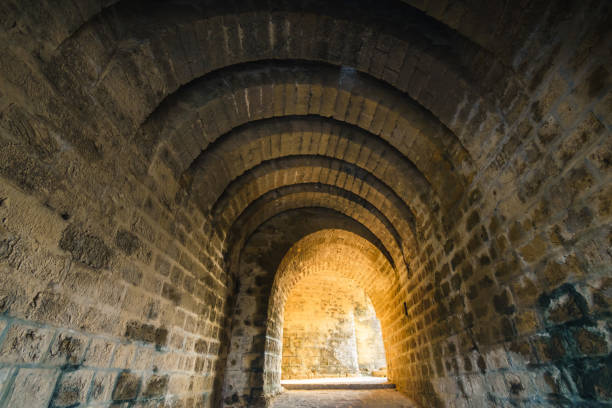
(24, 344)
(72, 388)
(84, 247)
(32, 388)
(127, 386)
(322, 336)
(169, 171)
(344, 398)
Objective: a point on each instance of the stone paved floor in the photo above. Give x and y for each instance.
(338, 380)
(342, 399)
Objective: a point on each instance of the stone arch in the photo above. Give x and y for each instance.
(353, 258)
(251, 145)
(263, 91)
(303, 170)
(319, 196)
(288, 37)
(101, 240)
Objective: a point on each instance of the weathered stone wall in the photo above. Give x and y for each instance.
(143, 143)
(108, 291)
(243, 383)
(340, 255)
(94, 312)
(516, 305)
(255, 331)
(322, 336)
(370, 346)
(322, 347)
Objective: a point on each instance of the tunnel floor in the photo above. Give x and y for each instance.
(386, 398)
(347, 383)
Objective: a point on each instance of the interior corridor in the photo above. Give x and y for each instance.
(343, 398)
(200, 199)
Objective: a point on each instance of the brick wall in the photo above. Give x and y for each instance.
(93, 314)
(469, 144)
(370, 347)
(328, 330)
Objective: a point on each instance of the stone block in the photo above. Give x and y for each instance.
(72, 388)
(591, 341)
(127, 386)
(145, 359)
(25, 344)
(526, 321)
(534, 250)
(146, 332)
(54, 307)
(67, 348)
(33, 387)
(99, 353)
(85, 247)
(127, 242)
(171, 293)
(131, 274)
(124, 355)
(162, 266)
(6, 375)
(136, 165)
(102, 386)
(156, 386)
(201, 346)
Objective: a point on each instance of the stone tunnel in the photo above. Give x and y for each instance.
(170, 171)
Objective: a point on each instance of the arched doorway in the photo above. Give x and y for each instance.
(330, 331)
(336, 260)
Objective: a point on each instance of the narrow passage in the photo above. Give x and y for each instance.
(342, 398)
